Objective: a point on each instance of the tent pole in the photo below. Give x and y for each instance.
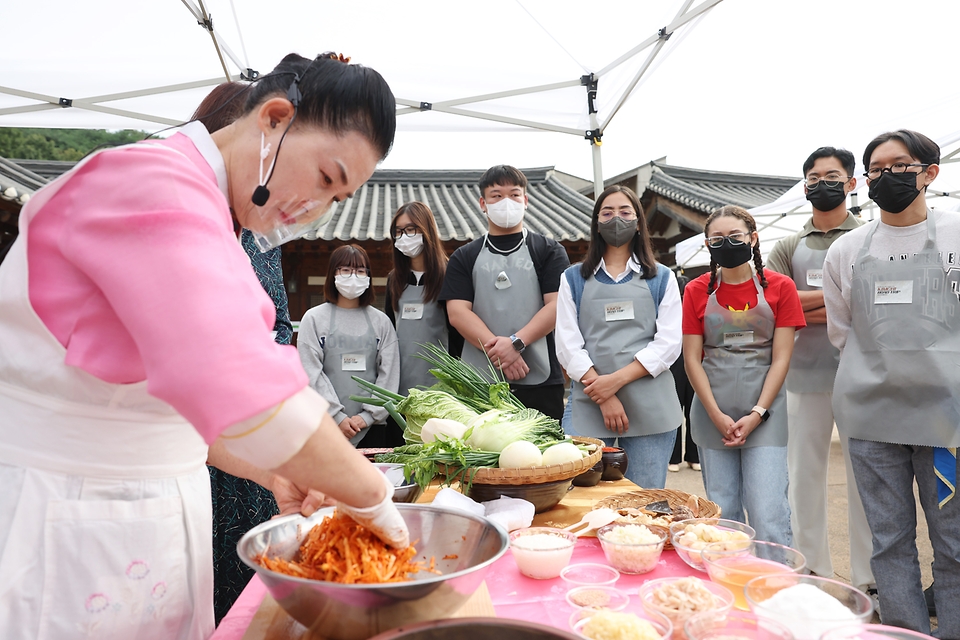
(597, 165)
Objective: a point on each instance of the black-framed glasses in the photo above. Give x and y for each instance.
(409, 230)
(831, 180)
(349, 271)
(736, 239)
(897, 167)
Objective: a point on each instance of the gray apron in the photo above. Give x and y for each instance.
(899, 376)
(738, 350)
(418, 323)
(617, 321)
(345, 356)
(506, 296)
(813, 365)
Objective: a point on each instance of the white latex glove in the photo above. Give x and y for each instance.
(383, 520)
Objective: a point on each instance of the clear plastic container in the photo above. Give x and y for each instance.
(597, 597)
(589, 574)
(542, 552)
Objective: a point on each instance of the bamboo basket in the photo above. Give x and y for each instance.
(642, 497)
(538, 475)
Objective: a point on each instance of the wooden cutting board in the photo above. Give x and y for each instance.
(272, 623)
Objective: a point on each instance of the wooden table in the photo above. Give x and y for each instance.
(256, 616)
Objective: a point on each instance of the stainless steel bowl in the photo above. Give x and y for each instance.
(402, 491)
(350, 612)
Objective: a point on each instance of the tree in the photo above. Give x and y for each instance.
(60, 144)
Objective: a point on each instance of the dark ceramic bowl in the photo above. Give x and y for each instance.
(614, 464)
(461, 628)
(590, 477)
(543, 495)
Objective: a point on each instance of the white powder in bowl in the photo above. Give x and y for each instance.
(806, 610)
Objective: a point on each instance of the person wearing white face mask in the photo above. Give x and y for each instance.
(413, 286)
(346, 337)
(501, 294)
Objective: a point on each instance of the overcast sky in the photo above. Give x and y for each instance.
(752, 87)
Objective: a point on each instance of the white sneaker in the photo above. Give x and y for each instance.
(673, 467)
(872, 592)
(694, 465)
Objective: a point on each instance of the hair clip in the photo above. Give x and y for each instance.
(333, 55)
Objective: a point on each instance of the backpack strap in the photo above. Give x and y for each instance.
(576, 282)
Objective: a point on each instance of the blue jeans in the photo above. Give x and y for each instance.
(885, 474)
(751, 479)
(647, 457)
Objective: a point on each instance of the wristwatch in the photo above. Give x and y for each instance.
(763, 413)
(517, 343)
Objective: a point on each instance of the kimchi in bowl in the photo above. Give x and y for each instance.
(462, 547)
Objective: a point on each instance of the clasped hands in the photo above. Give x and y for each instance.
(733, 433)
(501, 353)
(603, 389)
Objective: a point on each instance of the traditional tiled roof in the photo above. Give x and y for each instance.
(18, 183)
(555, 210)
(707, 190)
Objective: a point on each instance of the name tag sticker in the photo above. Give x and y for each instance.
(815, 278)
(503, 282)
(737, 337)
(894, 292)
(613, 311)
(353, 362)
(412, 311)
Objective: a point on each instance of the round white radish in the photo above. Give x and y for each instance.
(520, 455)
(560, 453)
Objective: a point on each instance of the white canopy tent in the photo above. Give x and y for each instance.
(581, 105)
(788, 213)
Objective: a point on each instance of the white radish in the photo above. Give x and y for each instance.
(520, 455)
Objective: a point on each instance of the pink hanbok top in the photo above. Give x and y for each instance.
(134, 267)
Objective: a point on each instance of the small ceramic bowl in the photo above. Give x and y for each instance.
(597, 597)
(631, 557)
(590, 477)
(542, 552)
(814, 621)
(690, 553)
(660, 623)
(734, 624)
(614, 463)
(649, 592)
(589, 574)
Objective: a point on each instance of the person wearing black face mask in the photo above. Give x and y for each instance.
(618, 332)
(893, 309)
(739, 322)
(828, 178)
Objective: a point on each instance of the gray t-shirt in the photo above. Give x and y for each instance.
(314, 329)
(889, 243)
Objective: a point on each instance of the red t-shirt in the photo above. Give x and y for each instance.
(780, 293)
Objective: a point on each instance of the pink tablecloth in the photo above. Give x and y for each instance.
(513, 595)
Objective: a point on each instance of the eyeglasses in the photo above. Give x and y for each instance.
(898, 167)
(406, 231)
(736, 239)
(349, 271)
(606, 215)
(831, 180)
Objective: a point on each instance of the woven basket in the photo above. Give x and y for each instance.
(537, 475)
(643, 497)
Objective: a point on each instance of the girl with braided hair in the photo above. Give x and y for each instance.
(738, 329)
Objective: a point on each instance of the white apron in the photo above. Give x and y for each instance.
(105, 517)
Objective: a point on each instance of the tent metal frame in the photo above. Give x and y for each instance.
(655, 43)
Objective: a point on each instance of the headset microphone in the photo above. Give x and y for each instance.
(261, 194)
